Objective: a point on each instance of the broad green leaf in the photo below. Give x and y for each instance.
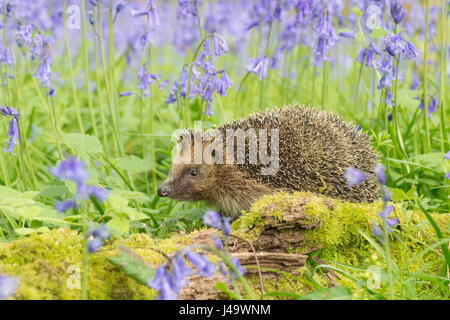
(122, 225)
(407, 98)
(83, 144)
(134, 164)
(28, 231)
(29, 211)
(133, 265)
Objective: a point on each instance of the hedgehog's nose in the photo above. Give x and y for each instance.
(163, 191)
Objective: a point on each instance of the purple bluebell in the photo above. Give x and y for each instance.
(100, 232)
(221, 84)
(94, 245)
(226, 227)
(64, 205)
(258, 66)
(25, 34)
(354, 176)
(217, 242)
(201, 263)
(7, 56)
(8, 286)
(326, 36)
(409, 50)
(447, 175)
(381, 175)
(13, 130)
(368, 54)
(148, 9)
(44, 72)
(212, 218)
(397, 12)
(98, 192)
(431, 105)
(394, 44)
(376, 230)
(447, 155)
(384, 215)
(186, 8)
(237, 264)
(347, 34)
(125, 94)
(71, 169)
(220, 45)
(180, 271)
(163, 283)
(146, 79)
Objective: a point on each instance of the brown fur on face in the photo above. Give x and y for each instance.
(221, 185)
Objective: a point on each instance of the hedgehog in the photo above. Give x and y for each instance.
(297, 148)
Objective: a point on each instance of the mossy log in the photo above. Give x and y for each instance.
(280, 240)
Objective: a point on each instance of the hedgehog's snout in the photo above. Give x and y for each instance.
(163, 191)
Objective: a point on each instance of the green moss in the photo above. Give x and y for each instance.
(43, 262)
(47, 265)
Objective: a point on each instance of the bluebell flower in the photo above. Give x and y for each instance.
(447, 155)
(146, 79)
(226, 227)
(326, 36)
(148, 9)
(431, 105)
(447, 175)
(397, 12)
(381, 175)
(237, 264)
(8, 286)
(217, 242)
(212, 218)
(94, 245)
(258, 66)
(71, 169)
(125, 94)
(101, 232)
(368, 55)
(64, 205)
(347, 34)
(201, 263)
(354, 176)
(220, 45)
(180, 271)
(13, 130)
(25, 34)
(98, 192)
(376, 230)
(44, 72)
(394, 44)
(186, 8)
(384, 215)
(163, 283)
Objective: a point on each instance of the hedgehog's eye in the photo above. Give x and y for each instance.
(193, 173)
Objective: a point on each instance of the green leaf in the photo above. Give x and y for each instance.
(133, 265)
(28, 231)
(223, 287)
(406, 98)
(122, 225)
(134, 164)
(83, 144)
